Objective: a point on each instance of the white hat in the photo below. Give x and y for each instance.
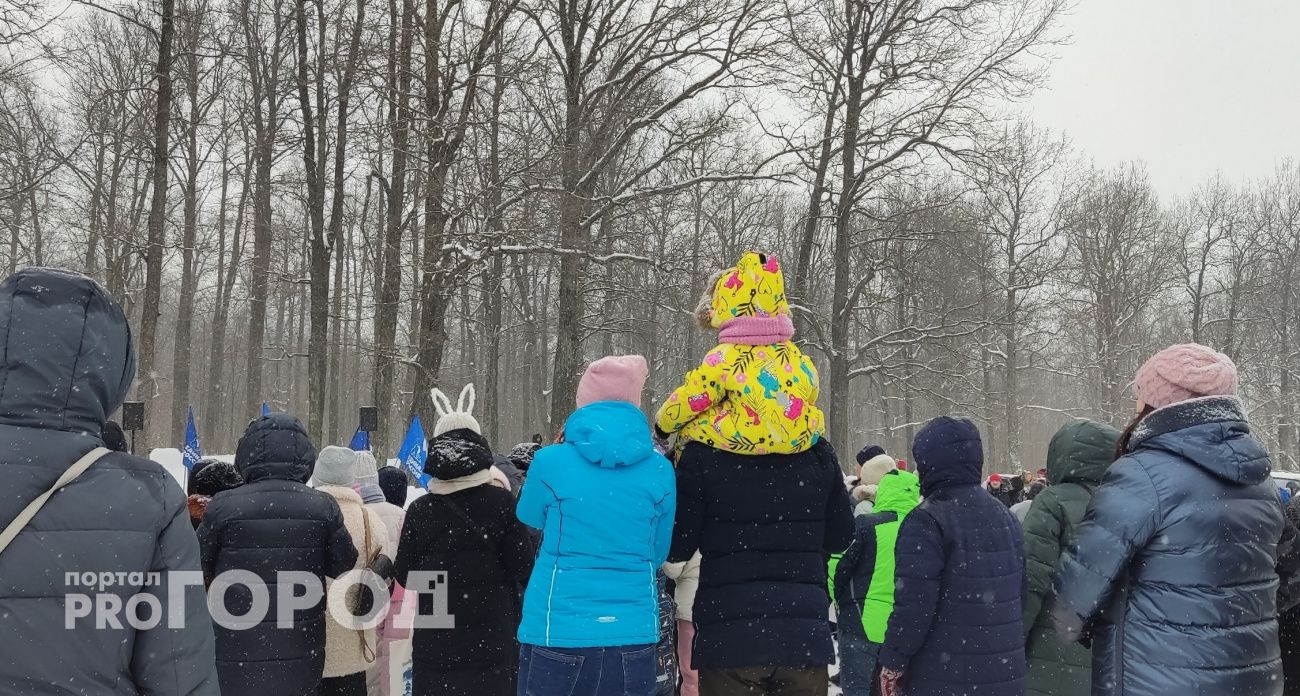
(459, 418)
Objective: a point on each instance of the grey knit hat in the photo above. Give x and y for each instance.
(367, 481)
(335, 466)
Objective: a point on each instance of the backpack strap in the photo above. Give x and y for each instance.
(21, 521)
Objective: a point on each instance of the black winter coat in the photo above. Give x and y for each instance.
(765, 526)
(1289, 620)
(959, 579)
(274, 524)
(66, 362)
(474, 537)
(1173, 569)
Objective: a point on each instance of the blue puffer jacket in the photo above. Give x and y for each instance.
(605, 501)
(1173, 568)
(960, 577)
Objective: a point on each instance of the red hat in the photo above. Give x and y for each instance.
(995, 479)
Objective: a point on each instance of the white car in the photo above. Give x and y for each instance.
(1282, 478)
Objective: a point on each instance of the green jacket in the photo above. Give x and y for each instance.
(864, 577)
(1077, 458)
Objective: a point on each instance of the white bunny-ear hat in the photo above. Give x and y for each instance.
(460, 417)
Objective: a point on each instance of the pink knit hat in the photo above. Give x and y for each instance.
(616, 378)
(1183, 372)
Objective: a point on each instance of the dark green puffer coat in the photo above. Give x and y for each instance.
(1076, 460)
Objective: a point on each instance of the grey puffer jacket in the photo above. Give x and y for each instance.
(66, 363)
(1173, 570)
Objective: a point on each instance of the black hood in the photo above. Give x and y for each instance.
(275, 447)
(948, 452)
(458, 453)
(66, 359)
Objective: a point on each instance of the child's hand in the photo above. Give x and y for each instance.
(889, 682)
(661, 442)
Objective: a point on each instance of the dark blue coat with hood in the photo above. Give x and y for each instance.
(960, 577)
(274, 524)
(66, 363)
(765, 526)
(1173, 569)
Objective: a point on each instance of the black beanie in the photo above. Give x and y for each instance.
(457, 453)
(392, 481)
(868, 453)
(216, 477)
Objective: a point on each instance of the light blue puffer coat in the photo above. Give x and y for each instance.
(605, 501)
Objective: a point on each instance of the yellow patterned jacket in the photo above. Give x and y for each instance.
(756, 392)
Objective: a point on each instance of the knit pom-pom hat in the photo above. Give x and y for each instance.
(1184, 372)
(459, 418)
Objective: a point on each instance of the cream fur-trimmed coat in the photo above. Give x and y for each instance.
(344, 654)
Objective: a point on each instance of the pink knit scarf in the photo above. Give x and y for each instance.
(757, 331)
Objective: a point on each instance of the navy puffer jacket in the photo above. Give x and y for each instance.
(66, 363)
(764, 526)
(960, 577)
(274, 524)
(1173, 569)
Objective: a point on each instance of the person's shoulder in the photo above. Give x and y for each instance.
(1147, 466)
(495, 497)
(548, 455)
(868, 522)
(422, 507)
(1056, 496)
(723, 353)
(554, 461)
(387, 509)
(135, 467)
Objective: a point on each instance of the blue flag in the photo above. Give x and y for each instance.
(414, 451)
(360, 441)
(266, 409)
(192, 452)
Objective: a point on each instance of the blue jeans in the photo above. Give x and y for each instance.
(857, 660)
(620, 671)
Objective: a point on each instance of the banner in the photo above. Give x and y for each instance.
(360, 441)
(415, 451)
(192, 452)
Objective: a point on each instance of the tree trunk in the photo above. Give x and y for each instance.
(181, 355)
(570, 302)
(391, 278)
(320, 247)
(157, 233)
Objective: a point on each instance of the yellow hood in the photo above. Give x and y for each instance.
(755, 287)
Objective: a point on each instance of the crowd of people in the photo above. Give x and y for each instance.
(698, 552)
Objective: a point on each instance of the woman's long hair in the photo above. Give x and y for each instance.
(1127, 435)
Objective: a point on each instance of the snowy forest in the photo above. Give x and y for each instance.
(329, 204)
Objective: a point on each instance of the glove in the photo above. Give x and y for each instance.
(1070, 627)
(890, 682)
(661, 442)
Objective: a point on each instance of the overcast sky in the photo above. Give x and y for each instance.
(1188, 86)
